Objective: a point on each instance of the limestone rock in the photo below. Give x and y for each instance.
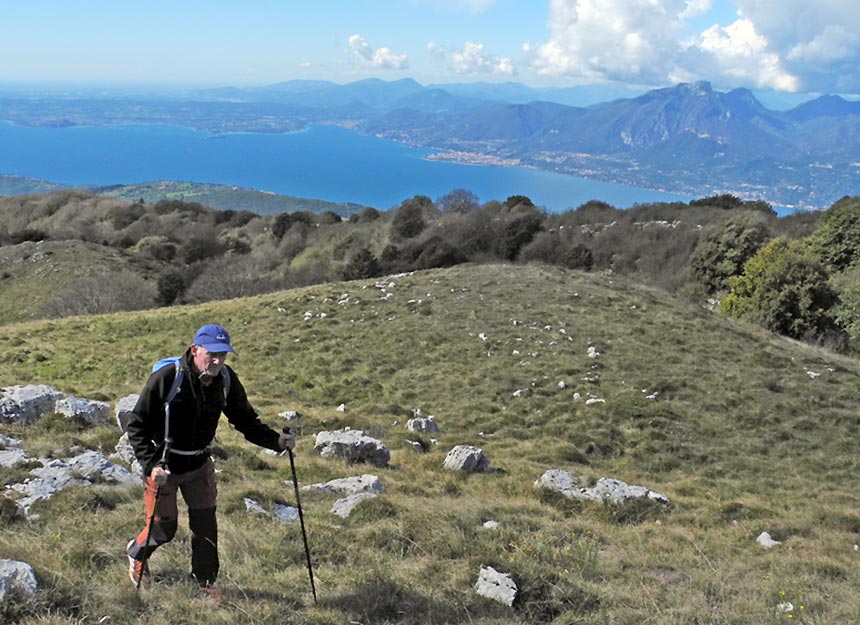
(89, 411)
(467, 458)
(366, 483)
(26, 403)
(16, 576)
(605, 490)
(496, 586)
(124, 410)
(352, 446)
(344, 507)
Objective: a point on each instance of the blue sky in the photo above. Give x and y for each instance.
(777, 45)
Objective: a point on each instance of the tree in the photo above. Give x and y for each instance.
(577, 256)
(281, 224)
(99, 295)
(724, 248)
(459, 201)
(837, 239)
(170, 285)
(228, 277)
(363, 264)
(518, 200)
(408, 221)
(785, 289)
(517, 233)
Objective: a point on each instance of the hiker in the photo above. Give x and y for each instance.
(207, 387)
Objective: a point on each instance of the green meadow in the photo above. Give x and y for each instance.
(742, 430)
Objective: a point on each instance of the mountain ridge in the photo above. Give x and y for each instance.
(721, 142)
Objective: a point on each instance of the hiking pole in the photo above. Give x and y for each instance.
(148, 535)
(143, 560)
(286, 430)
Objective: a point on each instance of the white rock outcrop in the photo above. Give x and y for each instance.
(467, 458)
(352, 446)
(606, 489)
(496, 586)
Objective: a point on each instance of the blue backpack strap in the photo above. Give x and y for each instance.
(177, 382)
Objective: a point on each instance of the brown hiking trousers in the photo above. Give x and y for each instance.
(199, 492)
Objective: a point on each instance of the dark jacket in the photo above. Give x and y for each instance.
(194, 415)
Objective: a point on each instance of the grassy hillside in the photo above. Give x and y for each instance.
(34, 276)
(748, 433)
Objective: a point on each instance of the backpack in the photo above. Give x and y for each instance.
(176, 361)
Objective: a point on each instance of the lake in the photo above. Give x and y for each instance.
(323, 162)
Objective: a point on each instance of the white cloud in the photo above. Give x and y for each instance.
(780, 44)
(473, 60)
(818, 42)
(380, 58)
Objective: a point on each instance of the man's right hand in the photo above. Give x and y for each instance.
(159, 475)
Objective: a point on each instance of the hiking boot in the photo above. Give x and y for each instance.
(211, 593)
(138, 570)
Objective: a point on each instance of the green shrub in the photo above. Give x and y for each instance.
(837, 239)
(724, 248)
(785, 289)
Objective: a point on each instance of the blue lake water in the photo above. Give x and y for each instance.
(324, 162)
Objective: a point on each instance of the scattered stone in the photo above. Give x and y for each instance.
(254, 508)
(592, 352)
(606, 489)
(341, 408)
(594, 400)
(290, 415)
(467, 458)
(422, 424)
(10, 457)
(496, 586)
(491, 525)
(26, 403)
(285, 514)
(55, 475)
(125, 410)
(282, 513)
(344, 507)
(89, 411)
(7, 442)
(352, 446)
(16, 576)
(366, 483)
(766, 541)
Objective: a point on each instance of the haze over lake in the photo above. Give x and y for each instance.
(324, 162)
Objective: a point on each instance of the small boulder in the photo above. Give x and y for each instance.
(766, 541)
(366, 483)
(352, 446)
(89, 411)
(605, 490)
(124, 410)
(496, 586)
(344, 507)
(467, 458)
(26, 403)
(422, 424)
(16, 576)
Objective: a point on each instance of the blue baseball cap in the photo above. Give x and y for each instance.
(213, 338)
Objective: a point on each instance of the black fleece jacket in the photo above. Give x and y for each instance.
(194, 415)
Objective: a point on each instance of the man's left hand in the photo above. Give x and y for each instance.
(286, 441)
